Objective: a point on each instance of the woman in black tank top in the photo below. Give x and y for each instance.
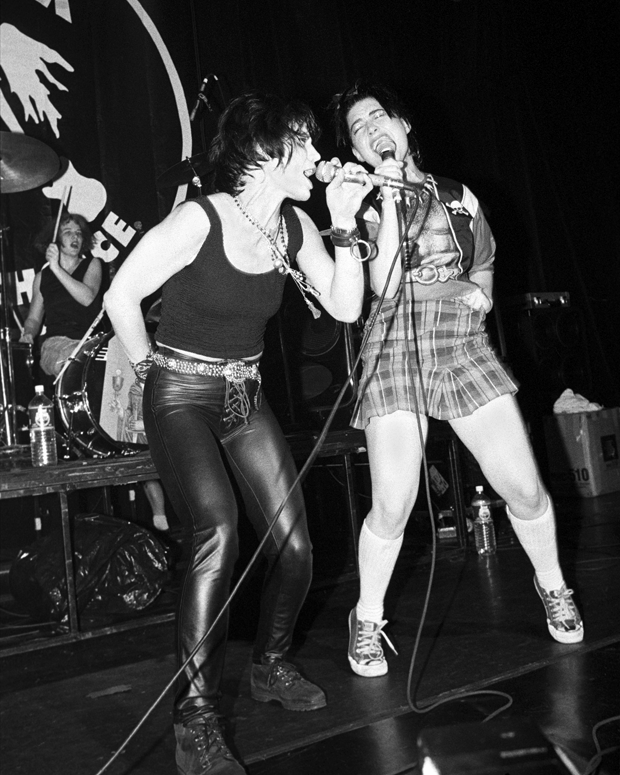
(66, 293)
(222, 261)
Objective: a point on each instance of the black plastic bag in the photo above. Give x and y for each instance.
(119, 567)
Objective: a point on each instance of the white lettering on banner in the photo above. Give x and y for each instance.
(36, 74)
(61, 6)
(119, 229)
(23, 285)
(106, 252)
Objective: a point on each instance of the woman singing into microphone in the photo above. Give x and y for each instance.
(223, 260)
(428, 354)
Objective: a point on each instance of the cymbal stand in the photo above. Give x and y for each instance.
(7, 371)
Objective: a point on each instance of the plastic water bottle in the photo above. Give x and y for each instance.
(484, 529)
(42, 434)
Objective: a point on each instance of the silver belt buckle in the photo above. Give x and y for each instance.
(429, 279)
(234, 372)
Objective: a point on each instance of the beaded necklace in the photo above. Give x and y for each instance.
(280, 258)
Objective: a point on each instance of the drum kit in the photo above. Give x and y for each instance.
(25, 163)
(190, 170)
(95, 395)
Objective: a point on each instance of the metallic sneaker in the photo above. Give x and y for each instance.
(563, 618)
(201, 749)
(365, 651)
(281, 681)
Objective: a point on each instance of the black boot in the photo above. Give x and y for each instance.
(201, 749)
(281, 681)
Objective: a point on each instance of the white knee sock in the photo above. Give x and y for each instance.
(377, 558)
(538, 539)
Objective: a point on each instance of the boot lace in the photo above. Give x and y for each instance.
(285, 672)
(209, 740)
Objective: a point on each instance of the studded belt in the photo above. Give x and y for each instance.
(233, 371)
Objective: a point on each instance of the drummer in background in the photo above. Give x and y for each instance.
(67, 293)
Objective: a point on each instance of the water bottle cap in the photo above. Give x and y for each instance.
(38, 388)
(479, 488)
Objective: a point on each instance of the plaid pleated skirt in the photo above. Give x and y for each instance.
(437, 362)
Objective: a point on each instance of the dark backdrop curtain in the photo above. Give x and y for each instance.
(515, 99)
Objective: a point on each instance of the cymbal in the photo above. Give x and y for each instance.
(185, 171)
(25, 163)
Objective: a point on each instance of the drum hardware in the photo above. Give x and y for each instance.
(75, 401)
(25, 163)
(189, 170)
(22, 388)
(78, 444)
(66, 449)
(78, 346)
(28, 358)
(94, 398)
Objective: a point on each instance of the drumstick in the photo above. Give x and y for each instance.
(60, 209)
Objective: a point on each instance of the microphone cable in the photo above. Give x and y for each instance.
(408, 291)
(300, 477)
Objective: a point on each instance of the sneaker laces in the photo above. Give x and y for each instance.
(562, 607)
(368, 643)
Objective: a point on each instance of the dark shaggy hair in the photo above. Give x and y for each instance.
(254, 128)
(342, 103)
(45, 236)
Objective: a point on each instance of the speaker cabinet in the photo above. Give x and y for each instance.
(546, 345)
(306, 364)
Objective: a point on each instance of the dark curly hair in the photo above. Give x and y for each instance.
(254, 128)
(342, 103)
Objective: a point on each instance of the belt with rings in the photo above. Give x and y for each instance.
(233, 371)
(427, 274)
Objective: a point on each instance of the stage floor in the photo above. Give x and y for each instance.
(66, 708)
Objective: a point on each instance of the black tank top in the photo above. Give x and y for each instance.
(213, 309)
(64, 316)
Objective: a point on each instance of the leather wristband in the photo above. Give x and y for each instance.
(344, 238)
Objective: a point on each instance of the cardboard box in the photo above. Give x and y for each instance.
(582, 450)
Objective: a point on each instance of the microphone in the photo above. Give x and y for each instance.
(326, 172)
(386, 149)
(201, 96)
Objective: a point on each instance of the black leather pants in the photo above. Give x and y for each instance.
(185, 416)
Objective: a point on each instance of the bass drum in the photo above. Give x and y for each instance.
(100, 401)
